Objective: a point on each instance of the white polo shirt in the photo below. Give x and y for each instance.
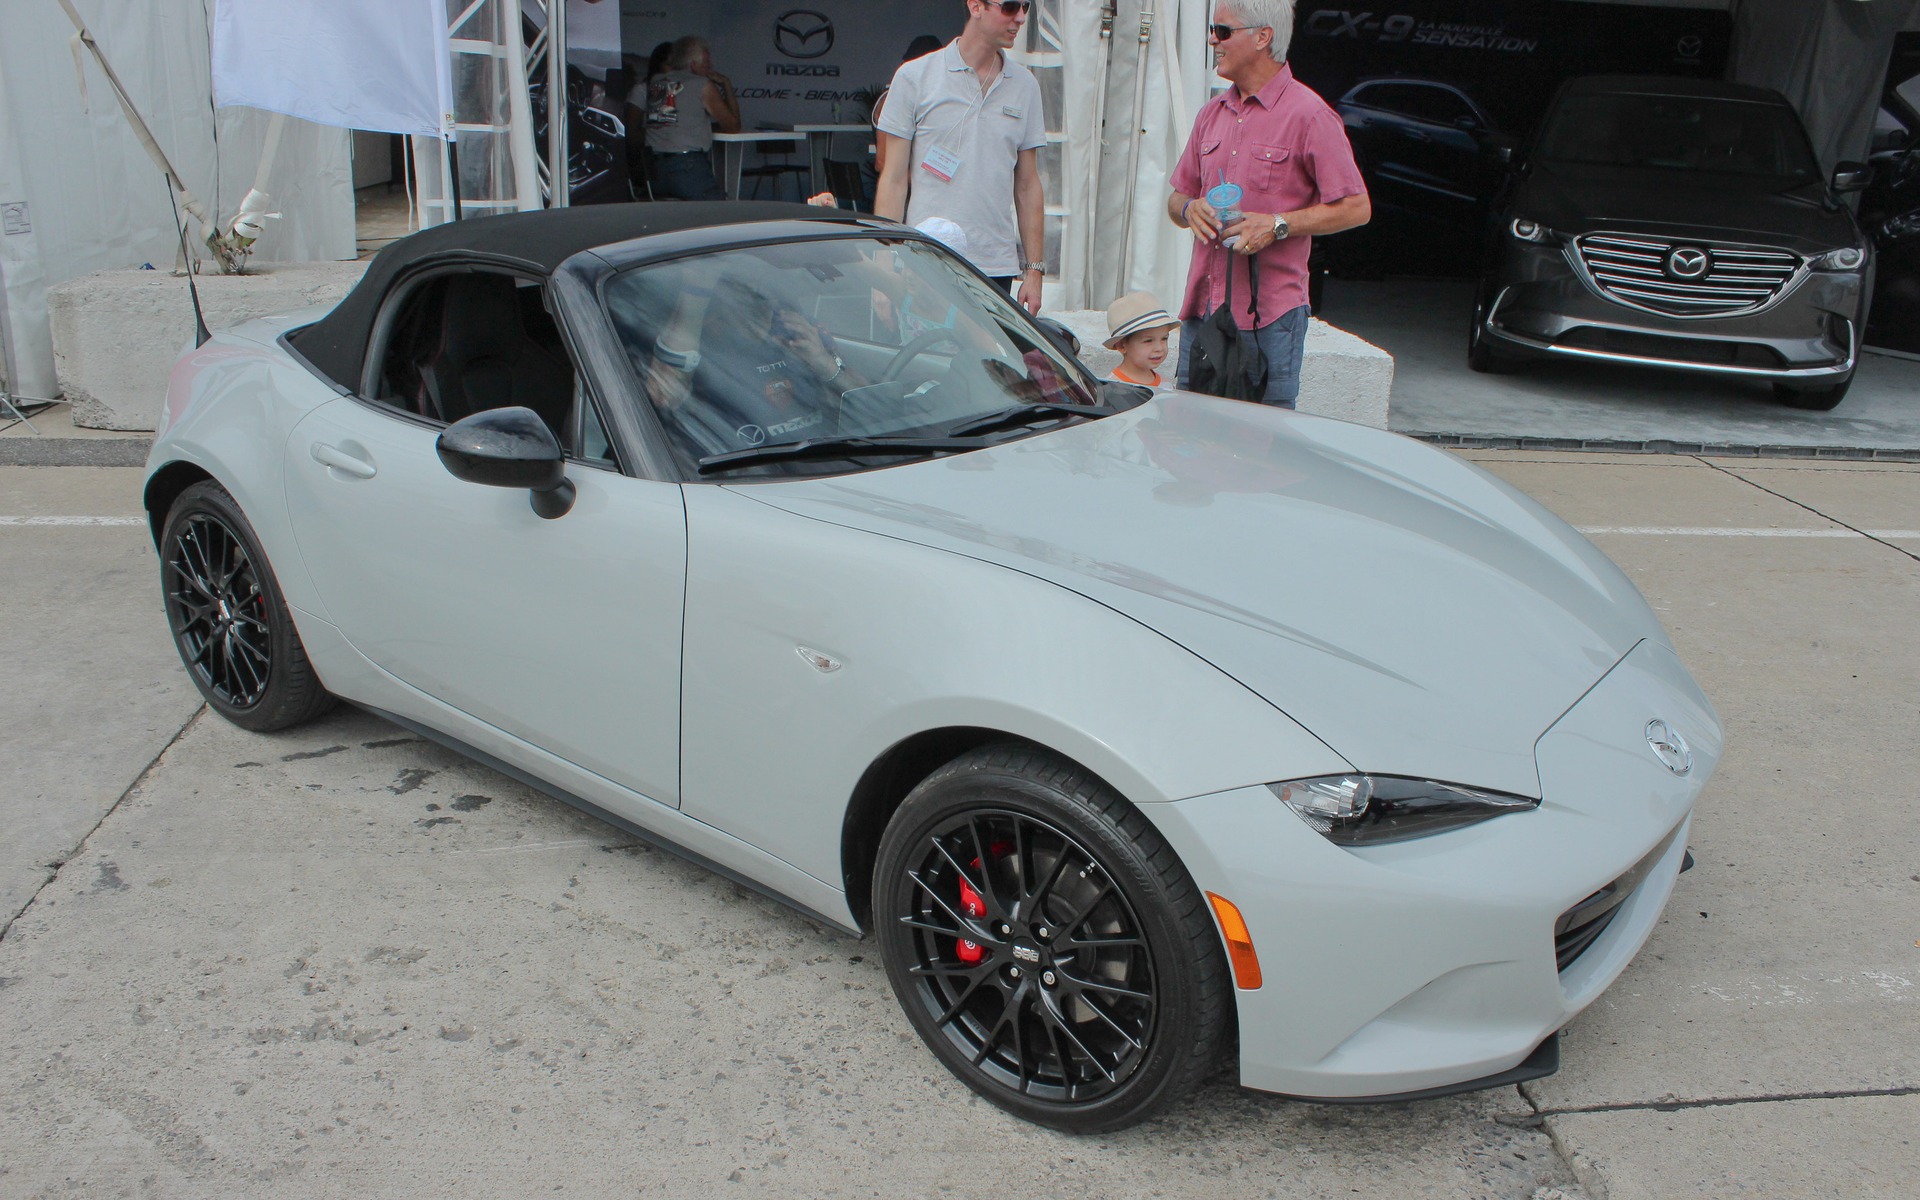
(935, 102)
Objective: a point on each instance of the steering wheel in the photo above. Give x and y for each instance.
(920, 344)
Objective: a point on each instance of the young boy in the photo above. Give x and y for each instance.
(1138, 328)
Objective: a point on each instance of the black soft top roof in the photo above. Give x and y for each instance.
(1670, 85)
(533, 242)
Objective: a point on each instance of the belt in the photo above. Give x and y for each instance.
(671, 153)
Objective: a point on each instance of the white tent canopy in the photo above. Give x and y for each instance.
(80, 193)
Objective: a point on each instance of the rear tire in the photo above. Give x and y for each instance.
(1046, 942)
(1822, 399)
(229, 620)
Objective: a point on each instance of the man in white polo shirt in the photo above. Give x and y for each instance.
(963, 129)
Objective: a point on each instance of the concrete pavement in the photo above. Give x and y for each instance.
(341, 961)
(93, 691)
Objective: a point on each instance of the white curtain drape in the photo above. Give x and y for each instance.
(1828, 57)
(1145, 94)
(94, 199)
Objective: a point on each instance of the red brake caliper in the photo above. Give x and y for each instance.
(972, 905)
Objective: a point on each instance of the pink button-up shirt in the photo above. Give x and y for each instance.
(1287, 150)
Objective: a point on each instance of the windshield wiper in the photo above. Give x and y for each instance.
(834, 447)
(1025, 414)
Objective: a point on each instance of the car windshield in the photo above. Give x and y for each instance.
(865, 349)
(1687, 133)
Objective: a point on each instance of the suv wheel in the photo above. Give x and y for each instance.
(1817, 399)
(1481, 356)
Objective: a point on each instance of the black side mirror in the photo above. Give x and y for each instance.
(1851, 176)
(1062, 337)
(510, 448)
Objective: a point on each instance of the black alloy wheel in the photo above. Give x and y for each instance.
(1046, 943)
(229, 621)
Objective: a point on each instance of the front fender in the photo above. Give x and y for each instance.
(773, 746)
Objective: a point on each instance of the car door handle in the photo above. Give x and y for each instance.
(340, 460)
(1415, 135)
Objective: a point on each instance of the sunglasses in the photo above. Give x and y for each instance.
(1011, 8)
(1222, 32)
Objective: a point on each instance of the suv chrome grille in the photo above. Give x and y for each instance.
(1685, 279)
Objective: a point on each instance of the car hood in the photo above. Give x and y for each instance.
(1418, 615)
(1695, 205)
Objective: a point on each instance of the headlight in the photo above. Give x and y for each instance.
(1371, 810)
(1530, 231)
(1905, 225)
(1848, 258)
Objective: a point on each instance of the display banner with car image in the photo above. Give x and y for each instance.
(1431, 90)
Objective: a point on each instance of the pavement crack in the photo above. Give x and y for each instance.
(1724, 1101)
(56, 867)
(1809, 508)
(1575, 1165)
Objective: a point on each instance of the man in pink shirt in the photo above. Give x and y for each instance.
(1270, 134)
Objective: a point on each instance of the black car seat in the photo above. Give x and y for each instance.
(486, 359)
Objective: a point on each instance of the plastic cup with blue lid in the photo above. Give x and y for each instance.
(1224, 198)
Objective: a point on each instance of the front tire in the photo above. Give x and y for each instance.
(1819, 399)
(229, 620)
(1047, 944)
(1481, 356)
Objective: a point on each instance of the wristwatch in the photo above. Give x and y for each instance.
(1279, 227)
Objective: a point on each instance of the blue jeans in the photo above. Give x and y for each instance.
(1283, 341)
(687, 176)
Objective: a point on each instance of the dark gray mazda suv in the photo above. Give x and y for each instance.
(1677, 223)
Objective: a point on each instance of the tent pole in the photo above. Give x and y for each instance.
(1133, 143)
(557, 175)
(1090, 219)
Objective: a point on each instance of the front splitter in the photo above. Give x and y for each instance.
(1544, 1061)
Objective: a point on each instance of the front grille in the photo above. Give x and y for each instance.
(1581, 926)
(1660, 275)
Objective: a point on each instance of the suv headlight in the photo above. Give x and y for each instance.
(1530, 231)
(1372, 810)
(1847, 258)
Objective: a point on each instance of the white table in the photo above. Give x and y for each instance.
(733, 147)
(819, 141)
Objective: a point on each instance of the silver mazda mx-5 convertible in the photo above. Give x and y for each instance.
(1124, 724)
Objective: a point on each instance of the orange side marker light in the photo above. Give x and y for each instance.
(1233, 927)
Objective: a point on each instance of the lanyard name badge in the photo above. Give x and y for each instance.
(941, 163)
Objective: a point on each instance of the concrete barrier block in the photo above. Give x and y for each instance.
(1342, 377)
(116, 333)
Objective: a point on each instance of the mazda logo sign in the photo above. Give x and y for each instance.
(1669, 747)
(1689, 46)
(802, 33)
(1687, 263)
